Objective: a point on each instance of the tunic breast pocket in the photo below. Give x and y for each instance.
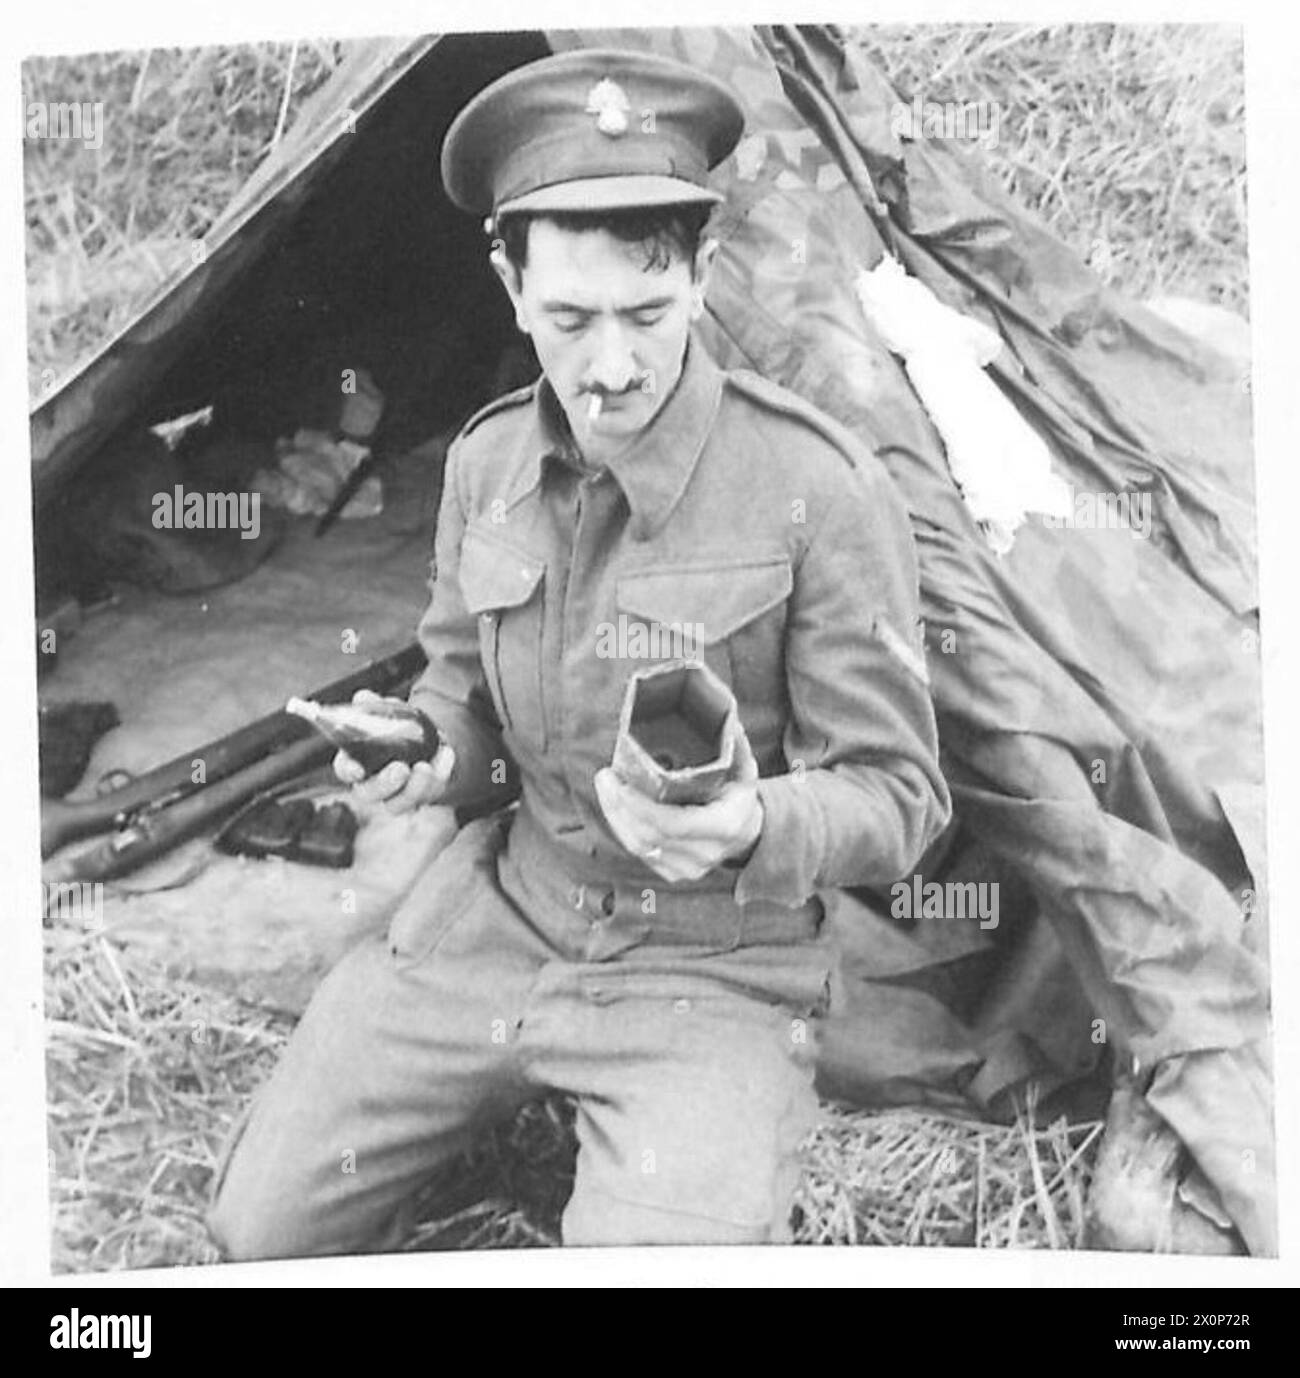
(503, 587)
(732, 610)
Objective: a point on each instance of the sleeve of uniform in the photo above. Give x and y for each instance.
(864, 795)
(452, 690)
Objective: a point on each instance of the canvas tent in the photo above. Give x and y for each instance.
(1097, 694)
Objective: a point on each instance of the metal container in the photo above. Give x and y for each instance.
(677, 733)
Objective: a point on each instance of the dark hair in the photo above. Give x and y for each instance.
(660, 231)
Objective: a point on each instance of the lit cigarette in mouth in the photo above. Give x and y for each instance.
(593, 408)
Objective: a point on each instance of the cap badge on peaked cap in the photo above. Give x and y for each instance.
(609, 103)
(575, 132)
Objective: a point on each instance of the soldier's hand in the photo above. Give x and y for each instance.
(400, 786)
(685, 841)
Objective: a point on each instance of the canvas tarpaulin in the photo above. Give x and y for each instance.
(1097, 689)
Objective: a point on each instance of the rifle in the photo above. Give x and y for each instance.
(63, 821)
(349, 490)
(158, 828)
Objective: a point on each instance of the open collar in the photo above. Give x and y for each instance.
(654, 470)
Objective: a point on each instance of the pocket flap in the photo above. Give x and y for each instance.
(720, 598)
(495, 574)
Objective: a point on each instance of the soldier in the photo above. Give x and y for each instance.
(663, 964)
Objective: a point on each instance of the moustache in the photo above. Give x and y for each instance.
(606, 394)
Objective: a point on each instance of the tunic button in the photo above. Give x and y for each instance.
(579, 896)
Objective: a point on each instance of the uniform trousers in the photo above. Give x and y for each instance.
(682, 1025)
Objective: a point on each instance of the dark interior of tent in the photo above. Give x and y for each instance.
(378, 269)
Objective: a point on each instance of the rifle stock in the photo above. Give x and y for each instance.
(63, 821)
(153, 832)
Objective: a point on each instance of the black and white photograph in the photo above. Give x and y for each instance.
(647, 635)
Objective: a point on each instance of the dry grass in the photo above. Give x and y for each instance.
(1128, 140)
(147, 1073)
(144, 1076)
(917, 1177)
(106, 226)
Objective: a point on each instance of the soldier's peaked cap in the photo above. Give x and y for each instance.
(595, 129)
